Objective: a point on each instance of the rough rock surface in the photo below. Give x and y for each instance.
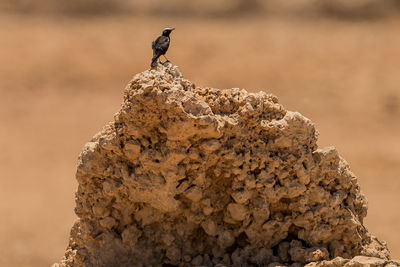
(193, 176)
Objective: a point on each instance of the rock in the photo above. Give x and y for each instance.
(360, 261)
(238, 212)
(209, 227)
(357, 261)
(225, 239)
(190, 175)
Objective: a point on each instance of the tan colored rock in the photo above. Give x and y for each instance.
(200, 176)
(357, 261)
(209, 227)
(238, 212)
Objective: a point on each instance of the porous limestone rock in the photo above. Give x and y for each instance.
(196, 176)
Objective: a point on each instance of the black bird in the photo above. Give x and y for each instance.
(160, 46)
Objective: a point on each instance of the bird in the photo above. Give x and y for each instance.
(160, 46)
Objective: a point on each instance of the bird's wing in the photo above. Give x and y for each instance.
(161, 43)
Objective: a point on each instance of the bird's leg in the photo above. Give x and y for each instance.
(167, 60)
(162, 63)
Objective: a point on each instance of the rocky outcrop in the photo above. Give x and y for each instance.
(357, 261)
(192, 176)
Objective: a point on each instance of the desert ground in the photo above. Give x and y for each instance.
(61, 80)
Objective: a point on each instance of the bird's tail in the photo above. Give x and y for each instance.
(154, 61)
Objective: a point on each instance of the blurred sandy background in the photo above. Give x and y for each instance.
(64, 65)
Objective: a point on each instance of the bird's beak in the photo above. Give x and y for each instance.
(172, 29)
